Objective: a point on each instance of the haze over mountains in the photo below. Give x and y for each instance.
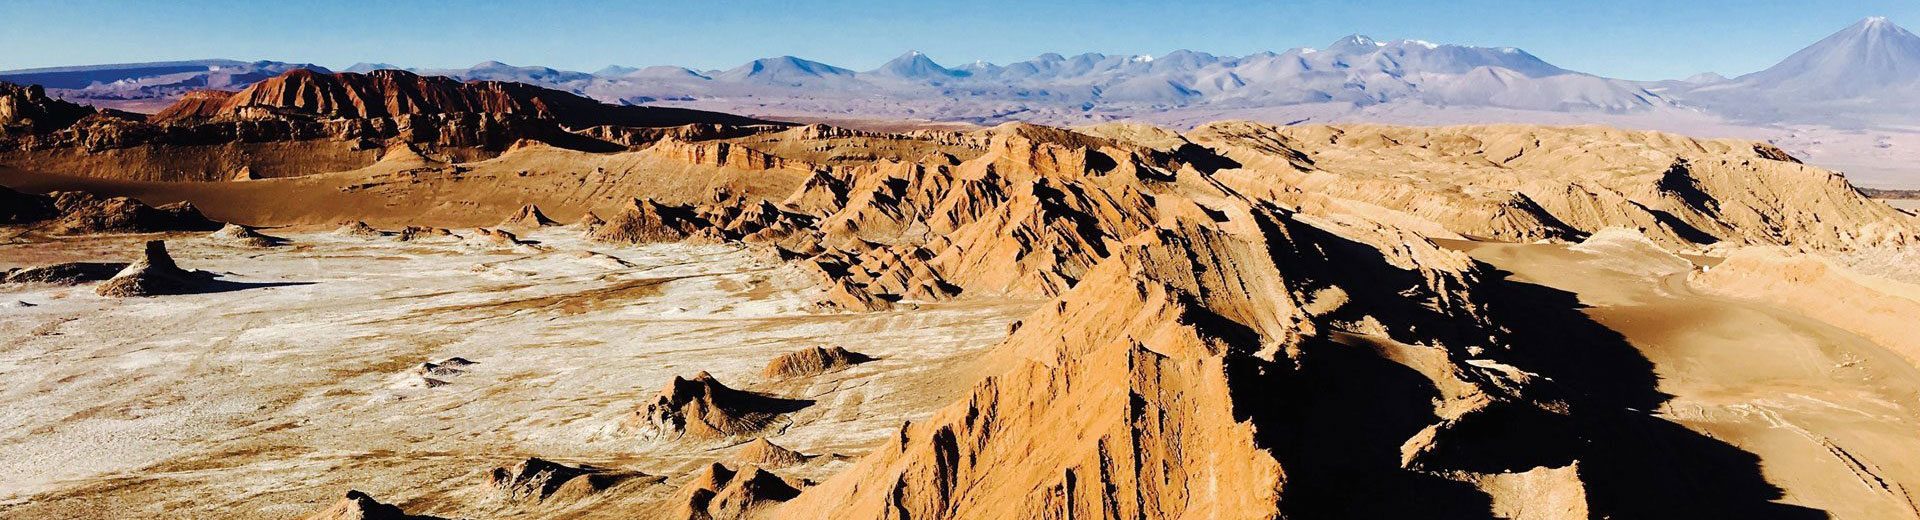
(1857, 87)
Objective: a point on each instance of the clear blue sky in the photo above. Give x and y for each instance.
(1635, 39)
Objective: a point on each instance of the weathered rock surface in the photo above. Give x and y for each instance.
(78, 212)
(701, 409)
(719, 493)
(235, 234)
(70, 273)
(812, 361)
(154, 274)
(359, 506)
(539, 480)
(763, 453)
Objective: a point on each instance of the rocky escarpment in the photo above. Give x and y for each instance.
(1240, 322)
(305, 121)
(1521, 183)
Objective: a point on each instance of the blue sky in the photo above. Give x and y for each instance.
(1635, 39)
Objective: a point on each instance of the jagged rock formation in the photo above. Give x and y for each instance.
(812, 361)
(498, 237)
(539, 480)
(357, 229)
(26, 109)
(154, 274)
(701, 409)
(407, 234)
(1244, 321)
(236, 234)
(360, 506)
(70, 273)
(528, 217)
(649, 221)
(82, 212)
(452, 366)
(719, 493)
(79, 212)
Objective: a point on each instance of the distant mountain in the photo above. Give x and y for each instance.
(364, 67)
(496, 71)
(786, 71)
(1871, 57)
(915, 66)
(1867, 71)
(154, 80)
(1866, 68)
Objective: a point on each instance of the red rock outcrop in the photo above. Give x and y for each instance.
(199, 104)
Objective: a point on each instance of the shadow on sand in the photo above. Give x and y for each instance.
(1337, 421)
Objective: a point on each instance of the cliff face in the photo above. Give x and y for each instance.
(396, 93)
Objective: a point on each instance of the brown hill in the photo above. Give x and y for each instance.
(766, 454)
(198, 104)
(719, 493)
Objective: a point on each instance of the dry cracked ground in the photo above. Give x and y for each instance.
(271, 397)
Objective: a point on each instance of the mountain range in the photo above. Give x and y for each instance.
(1868, 63)
(1864, 78)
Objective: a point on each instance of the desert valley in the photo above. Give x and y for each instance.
(394, 294)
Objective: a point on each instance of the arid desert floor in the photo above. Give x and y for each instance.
(299, 381)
